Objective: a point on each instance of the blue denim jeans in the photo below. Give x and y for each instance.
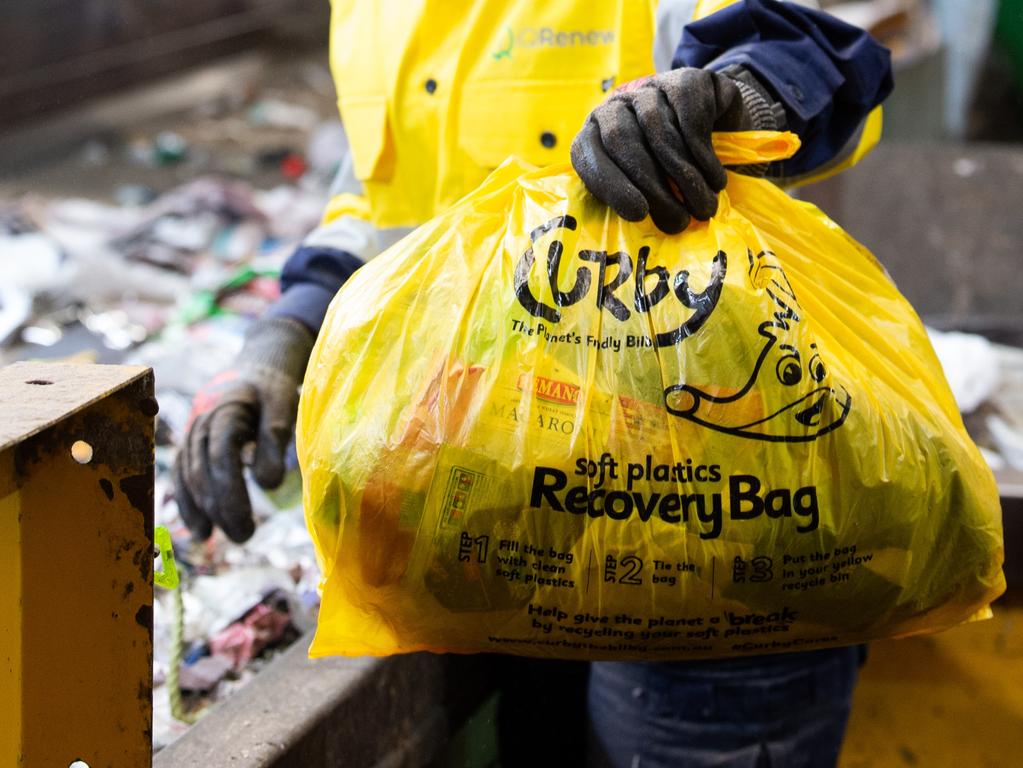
(779, 711)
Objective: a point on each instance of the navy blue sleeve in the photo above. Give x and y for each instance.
(309, 280)
(827, 74)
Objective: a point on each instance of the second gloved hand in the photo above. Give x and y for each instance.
(256, 401)
(647, 148)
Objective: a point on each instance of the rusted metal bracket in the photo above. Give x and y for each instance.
(76, 565)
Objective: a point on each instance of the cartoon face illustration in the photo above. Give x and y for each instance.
(813, 405)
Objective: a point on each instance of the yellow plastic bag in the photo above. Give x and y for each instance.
(533, 427)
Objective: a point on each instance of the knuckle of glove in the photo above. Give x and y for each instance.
(602, 176)
(230, 386)
(582, 154)
(685, 87)
(277, 393)
(613, 119)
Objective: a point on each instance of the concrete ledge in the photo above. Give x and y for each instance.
(370, 713)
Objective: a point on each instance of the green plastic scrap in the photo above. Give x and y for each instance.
(167, 577)
(203, 304)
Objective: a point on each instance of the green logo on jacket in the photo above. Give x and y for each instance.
(548, 37)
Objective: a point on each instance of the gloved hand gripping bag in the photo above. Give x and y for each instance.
(536, 428)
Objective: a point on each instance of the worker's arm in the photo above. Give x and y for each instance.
(757, 64)
(827, 74)
(320, 266)
(256, 399)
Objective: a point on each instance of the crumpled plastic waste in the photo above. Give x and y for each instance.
(282, 114)
(327, 147)
(1007, 439)
(997, 421)
(31, 261)
(186, 357)
(205, 672)
(122, 273)
(239, 642)
(31, 265)
(15, 309)
(214, 602)
(970, 364)
(166, 267)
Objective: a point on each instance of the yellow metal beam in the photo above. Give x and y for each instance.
(76, 565)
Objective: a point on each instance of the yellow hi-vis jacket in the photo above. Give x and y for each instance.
(435, 94)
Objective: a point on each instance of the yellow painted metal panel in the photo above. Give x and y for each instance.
(84, 533)
(10, 600)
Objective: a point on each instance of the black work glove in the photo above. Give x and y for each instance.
(256, 400)
(654, 134)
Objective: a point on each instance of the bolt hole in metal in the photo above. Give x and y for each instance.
(39, 382)
(81, 452)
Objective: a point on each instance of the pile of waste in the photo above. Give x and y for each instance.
(128, 273)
